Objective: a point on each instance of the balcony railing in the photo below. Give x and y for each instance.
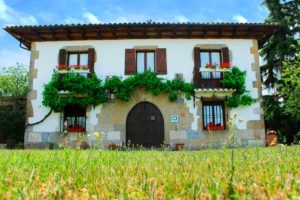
(209, 78)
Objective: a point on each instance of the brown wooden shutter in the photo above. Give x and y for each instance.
(91, 60)
(196, 63)
(62, 57)
(225, 54)
(161, 61)
(130, 62)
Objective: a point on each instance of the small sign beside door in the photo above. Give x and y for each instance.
(174, 118)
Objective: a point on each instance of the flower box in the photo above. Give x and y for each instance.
(76, 129)
(213, 70)
(62, 69)
(215, 67)
(212, 127)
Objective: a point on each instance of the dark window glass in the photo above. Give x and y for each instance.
(74, 119)
(213, 116)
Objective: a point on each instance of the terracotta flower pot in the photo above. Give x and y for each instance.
(272, 138)
(112, 146)
(179, 146)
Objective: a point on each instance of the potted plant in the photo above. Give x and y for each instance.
(112, 146)
(225, 65)
(211, 66)
(179, 146)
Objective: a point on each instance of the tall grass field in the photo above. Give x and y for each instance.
(247, 173)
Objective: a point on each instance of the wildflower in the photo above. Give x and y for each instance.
(229, 122)
(88, 135)
(96, 134)
(235, 115)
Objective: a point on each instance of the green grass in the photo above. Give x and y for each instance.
(95, 174)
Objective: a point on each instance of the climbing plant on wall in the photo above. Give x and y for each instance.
(236, 79)
(75, 89)
(124, 89)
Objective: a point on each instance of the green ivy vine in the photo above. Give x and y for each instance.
(79, 90)
(83, 91)
(235, 79)
(75, 89)
(124, 89)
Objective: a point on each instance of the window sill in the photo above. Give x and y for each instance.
(213, 70)
(206, 131)
(79, 71)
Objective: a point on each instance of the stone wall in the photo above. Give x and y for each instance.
(112, 118)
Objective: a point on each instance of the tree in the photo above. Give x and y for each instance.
(14, 81)
(282, 45)
(289, 87)
(14, 87)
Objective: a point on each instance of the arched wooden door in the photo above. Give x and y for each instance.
(145, 125)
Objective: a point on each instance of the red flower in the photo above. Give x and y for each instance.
(225, 65)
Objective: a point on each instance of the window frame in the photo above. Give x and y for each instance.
(213, 103)
(209, 51)
(73, 109)
(145, 52)
(78, 56)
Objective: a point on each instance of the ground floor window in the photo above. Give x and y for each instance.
(74, 119)
(213, 115)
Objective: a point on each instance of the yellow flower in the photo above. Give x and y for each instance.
(240, 120)
(96, 134)
(235, 115)
(88, 135)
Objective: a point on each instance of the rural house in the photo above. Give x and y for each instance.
(152, 104)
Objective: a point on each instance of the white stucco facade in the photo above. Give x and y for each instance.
(110, 60)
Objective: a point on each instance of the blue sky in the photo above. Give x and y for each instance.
(40, 12)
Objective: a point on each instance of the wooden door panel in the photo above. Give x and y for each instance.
(145, 125)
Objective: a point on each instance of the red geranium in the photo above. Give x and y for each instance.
(225, 65)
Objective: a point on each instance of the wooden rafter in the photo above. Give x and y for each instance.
(140, 30)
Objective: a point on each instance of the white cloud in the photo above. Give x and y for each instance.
(122, 20)
(239, 18)
(71, 20)
(9, 58)
(10, 16)
(28, 20)
(181, 18)
(91, 18)
(87, 17)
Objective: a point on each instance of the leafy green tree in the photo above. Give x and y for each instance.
(282, 45)
(14, 81)
(289, 87)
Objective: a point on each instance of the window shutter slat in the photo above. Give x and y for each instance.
(225, 54)
(161, 61)
(62, 56)
(91, 60)
(130, 66)
(196, 63)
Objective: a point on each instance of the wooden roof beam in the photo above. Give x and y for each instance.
(68, 34)
(38, 36)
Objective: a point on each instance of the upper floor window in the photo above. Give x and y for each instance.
(145, 60)
(210, 58)
(77, 58)
(137, 61)
(213, 115)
